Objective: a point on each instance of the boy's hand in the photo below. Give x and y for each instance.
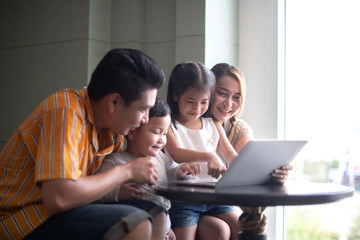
(280, 175)
(216, 166)
(131, 191)
(143, 170)
(189, 168)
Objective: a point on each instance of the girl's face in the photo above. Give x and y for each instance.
(150, 138)
(192, 104)
(226, 99)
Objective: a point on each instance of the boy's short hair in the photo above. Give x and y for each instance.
(160, 109)
(127, 72)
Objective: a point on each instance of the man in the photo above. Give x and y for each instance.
(47, 166)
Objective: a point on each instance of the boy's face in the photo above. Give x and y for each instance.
(150, 138)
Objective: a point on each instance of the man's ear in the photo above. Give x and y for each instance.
(131, 134)
(115, 101)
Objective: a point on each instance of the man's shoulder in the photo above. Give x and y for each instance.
(66, 98)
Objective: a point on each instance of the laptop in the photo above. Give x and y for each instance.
(253, 165)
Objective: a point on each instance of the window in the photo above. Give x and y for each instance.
(323, 106)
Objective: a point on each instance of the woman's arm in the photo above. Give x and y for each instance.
(224, 146)
(240, 144)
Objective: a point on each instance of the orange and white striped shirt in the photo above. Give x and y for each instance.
(57, 141)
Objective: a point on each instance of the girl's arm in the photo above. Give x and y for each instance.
(242, 142)
(179, 154)
(224, 146)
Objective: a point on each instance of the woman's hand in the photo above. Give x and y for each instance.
(281, 174)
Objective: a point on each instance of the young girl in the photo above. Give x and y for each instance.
(194, 138)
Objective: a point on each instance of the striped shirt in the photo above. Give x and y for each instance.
(57, 141)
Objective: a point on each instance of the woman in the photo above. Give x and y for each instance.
(227, 106)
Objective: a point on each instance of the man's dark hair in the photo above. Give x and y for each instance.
(127, 72)
(160, 109)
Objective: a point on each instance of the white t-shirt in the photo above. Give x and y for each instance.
(203, 140)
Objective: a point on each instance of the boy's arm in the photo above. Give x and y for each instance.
(64, 194)
(171, 167)
(178, 171)
(224, 145)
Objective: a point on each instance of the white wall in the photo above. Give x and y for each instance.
(222, 32)
(258, 59)
(258, 56)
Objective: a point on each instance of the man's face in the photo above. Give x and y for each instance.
(128, 118)
(150, 138)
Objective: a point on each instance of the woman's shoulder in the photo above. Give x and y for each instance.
(242, 123)
(241, 126)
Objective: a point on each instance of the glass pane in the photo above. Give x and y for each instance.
(323, 106)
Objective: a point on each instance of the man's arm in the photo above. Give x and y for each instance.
(65, 194)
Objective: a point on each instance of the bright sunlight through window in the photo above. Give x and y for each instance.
(323, 106)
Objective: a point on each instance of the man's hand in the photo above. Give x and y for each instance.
(143, 170)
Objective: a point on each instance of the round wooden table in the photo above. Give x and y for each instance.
(253, 199)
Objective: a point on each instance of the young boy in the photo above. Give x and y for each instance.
(148, 140)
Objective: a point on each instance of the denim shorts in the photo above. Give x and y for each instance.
(186, 215)
(91, 221)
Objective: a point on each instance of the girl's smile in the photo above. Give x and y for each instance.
(192, 105)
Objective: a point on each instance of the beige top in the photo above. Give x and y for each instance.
(236, 130)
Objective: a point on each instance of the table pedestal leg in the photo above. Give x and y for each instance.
(252, 223)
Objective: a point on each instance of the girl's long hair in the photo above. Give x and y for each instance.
(186, 75)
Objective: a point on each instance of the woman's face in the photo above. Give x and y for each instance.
(227, 98)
